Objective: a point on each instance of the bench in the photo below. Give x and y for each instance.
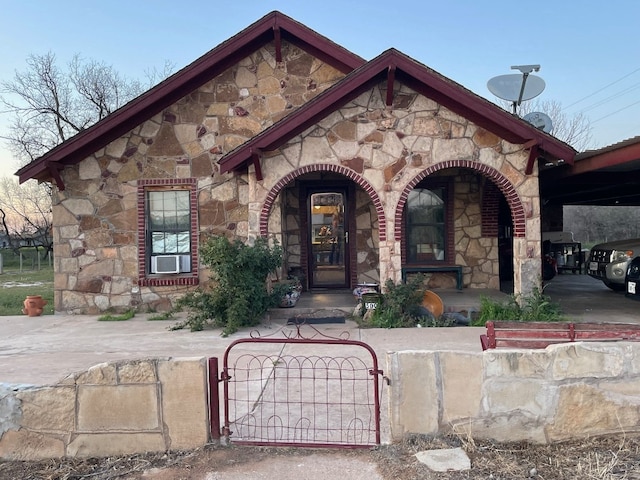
(457, 269)
(542, 334)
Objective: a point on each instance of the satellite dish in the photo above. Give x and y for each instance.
(539, 120)
(515, 87)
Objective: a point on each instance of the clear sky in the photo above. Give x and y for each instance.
(588, 50)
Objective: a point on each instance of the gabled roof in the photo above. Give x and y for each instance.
(392, 65)
(273, 27)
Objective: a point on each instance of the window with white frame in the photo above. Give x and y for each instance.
(168, 231)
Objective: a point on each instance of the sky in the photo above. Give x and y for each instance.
(588, 50)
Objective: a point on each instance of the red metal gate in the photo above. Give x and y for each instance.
(296, 391)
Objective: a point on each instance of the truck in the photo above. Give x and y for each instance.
(609, 261)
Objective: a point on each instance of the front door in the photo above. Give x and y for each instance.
(328, 238)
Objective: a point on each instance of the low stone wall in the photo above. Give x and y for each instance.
(564, 391)
(111, 409)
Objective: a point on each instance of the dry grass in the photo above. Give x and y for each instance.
(604, 458)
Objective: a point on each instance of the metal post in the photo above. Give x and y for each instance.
(1, 263)
(214, 400)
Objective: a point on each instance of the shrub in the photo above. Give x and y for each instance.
(401, 306)
(237, 296)
(532, 307)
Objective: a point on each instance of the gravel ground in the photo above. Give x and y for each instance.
(615, 457)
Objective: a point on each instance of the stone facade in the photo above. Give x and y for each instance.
(383, 151)
(566, 391)
(116, 408)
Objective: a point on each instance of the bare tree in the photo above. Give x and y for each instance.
(574, 130)
(25, 212)
(50, 105)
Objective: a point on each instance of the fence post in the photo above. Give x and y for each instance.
(20, 262)
(214, 399)
(1, 263)
(38, 255)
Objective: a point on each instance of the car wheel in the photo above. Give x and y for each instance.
(616, 287)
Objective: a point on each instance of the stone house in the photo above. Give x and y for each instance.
(363, 170)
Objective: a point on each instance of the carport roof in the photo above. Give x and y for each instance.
(606, 176)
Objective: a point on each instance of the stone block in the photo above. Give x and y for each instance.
(414, 401)
(534, 397)
(584, 410)
(184, 401)
(101, 374)
(512, 427)
(516, 363)
(587, 360)
(105, 444)
(137, 372)
(460, 372)
(48, 408)
(23, 445)
(118, 408)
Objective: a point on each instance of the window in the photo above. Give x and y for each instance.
(169, 223)
(167, 227)
(426, 226)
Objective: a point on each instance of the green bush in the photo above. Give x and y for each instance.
(532, 307)
(237, 296)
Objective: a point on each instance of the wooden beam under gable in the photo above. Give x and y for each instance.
(391, 78)
(255, 157)
(278, 41)
(54, 170)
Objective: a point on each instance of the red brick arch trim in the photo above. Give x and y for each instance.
(323, 167)
(517, 209)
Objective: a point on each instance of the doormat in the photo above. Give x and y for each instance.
(314, 320)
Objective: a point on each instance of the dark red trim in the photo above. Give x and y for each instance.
(391, 78)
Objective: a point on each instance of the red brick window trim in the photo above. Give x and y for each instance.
(145, 277)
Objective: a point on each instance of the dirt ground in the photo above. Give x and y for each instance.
(597, 458)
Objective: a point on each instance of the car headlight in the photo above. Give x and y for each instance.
(622, 256)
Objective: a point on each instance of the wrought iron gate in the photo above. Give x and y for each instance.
(296, 391)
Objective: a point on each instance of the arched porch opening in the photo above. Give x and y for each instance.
(331, 222)
(461, 213)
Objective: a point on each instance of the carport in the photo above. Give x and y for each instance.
(607, 176)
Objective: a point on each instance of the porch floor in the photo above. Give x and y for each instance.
(342, 302)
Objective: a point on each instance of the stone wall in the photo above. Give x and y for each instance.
(562, 392)
(117, 408)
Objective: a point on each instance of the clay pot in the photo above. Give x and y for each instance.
(33, 305)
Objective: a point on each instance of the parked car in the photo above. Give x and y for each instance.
(632, 282)
(609, 261)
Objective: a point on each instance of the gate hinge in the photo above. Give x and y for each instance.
(376, 372)
(224, 376)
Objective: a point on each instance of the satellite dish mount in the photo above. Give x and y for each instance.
(526, 70)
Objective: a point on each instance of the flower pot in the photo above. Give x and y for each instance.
(33, 305)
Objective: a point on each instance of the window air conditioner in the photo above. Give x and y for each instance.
(165, 264)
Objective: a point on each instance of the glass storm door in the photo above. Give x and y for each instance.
(328, 238)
